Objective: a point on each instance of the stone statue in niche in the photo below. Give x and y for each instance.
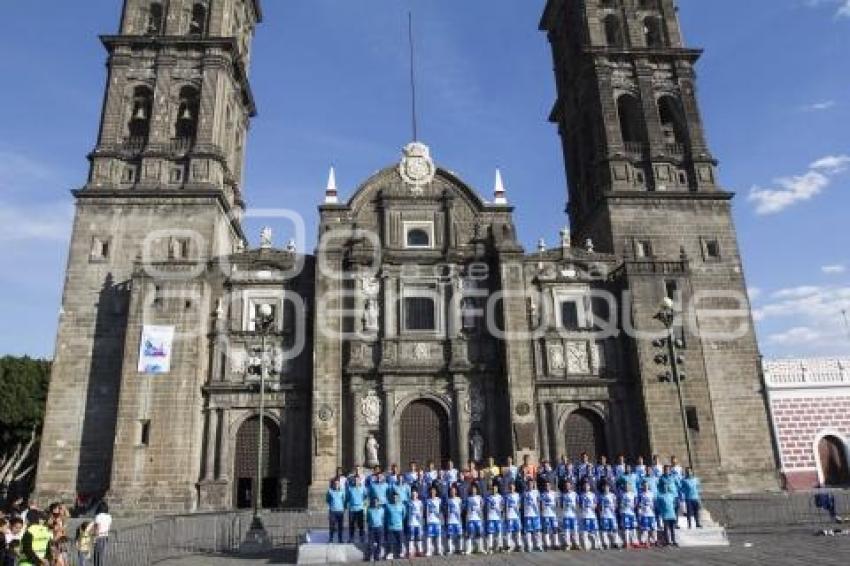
(372, 447)
(370, 407)
(370, 315)
(266, 238)
(556, 358)
(476, 404)
(476, 446)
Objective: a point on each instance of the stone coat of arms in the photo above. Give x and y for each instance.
(416, 167)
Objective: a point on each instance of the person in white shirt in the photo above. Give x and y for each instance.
(549, 516)
(513, 527)
(628, 501)
(434, 524)
(608, 518)
(531, 511)
(569, 520)
(495, 506)
(414, 525)
(102, 524)
(587, 502)
(646, 517)
(474, 526)
(454, 510)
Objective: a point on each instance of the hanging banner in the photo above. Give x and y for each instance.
(155, 349)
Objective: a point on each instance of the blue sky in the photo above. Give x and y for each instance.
(330, 81)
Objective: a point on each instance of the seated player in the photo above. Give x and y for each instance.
(569, 521)
(531, 512)
(587, 502)
(495, 507)
(549, 516)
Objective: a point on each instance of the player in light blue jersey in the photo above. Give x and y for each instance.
(495, 507)
(646, 517)
(569, 520)
(454, 530)
(474, 521)
(608, 518)
(587, 503)
(513, 527)
(531, 512)
(549, 516)
(628, 502)
(414, 525)
(434, 524)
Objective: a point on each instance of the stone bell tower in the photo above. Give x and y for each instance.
(164, 186)
(643, 186)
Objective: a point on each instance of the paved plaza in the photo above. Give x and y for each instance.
(797, 546)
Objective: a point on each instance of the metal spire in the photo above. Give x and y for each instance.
(331, 194)
(412, 77)
(499, 189)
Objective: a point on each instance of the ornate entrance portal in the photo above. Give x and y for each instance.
(585, 432)
(245, 464)
(424, 433)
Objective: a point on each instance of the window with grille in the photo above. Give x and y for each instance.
(420, 314)
(569, 315)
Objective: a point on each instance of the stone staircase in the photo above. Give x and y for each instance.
(710, 534)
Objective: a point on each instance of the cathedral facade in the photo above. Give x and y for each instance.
(187, 365)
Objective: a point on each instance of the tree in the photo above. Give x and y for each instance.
(23, 383)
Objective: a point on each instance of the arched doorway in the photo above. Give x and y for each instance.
(424, 433)
(833, 461)
(245, 464)
(585, 432)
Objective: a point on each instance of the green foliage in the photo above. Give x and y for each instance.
(23, 395)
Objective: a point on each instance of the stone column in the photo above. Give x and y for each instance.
(212, 437)
(391, 453)
(461, 397)
(358, 436)
(543, 429)
(224, 460)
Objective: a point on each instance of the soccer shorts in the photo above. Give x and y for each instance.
(434, 530)
(415, 532)
(512, 526)
(608, 525)
(647, 523)
(453, 530)
(550, 524)
(473, 529)
(629, 522)
(532, 524)
(590, 525)
(569, 524)
(494, 527)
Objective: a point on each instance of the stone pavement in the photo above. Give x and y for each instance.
(798, 546)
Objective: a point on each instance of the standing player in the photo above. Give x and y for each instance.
(414, 525)
(549, 516)
(608, 505)
(587, 502)
(495, 506)
(569, 521)
(531, 512)
(628, 500)
(454, 509)
(513, 528)
(474, 526)
(646, 517)
(434, 523)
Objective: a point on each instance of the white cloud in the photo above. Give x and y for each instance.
(35, 222)
(834, 269)
(799, 188)
(795, 336)
(842, 6)
(819, 106)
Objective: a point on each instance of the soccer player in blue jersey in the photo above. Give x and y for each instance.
(454, 510)
(549, 516)
(395, 512)
(620, 466)
(640, 468)
(513, 527)
(568, 503)
(356, 503)
(587, 503)
(379, 489)
(608, 517)
(585, 469)
(336, 509)
(690, 489)
(628, 502)
(531, 512)
(646, 516)
(495, 508)
(474, 521)
(434, 524)
(376, 519)
(414, 525)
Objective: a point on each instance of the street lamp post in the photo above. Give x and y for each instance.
(264, 323)
(667, 316)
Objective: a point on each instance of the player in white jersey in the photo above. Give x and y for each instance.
(531, 512)
(450, 474)
(608, 517)
(513, 527)
(414, 525)
(568, 503)
(587, 502)
(434, 524)
(628, 501)
(454, 509)
(495, 507)
(474, 521)
(549, 516)
(646, 517)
